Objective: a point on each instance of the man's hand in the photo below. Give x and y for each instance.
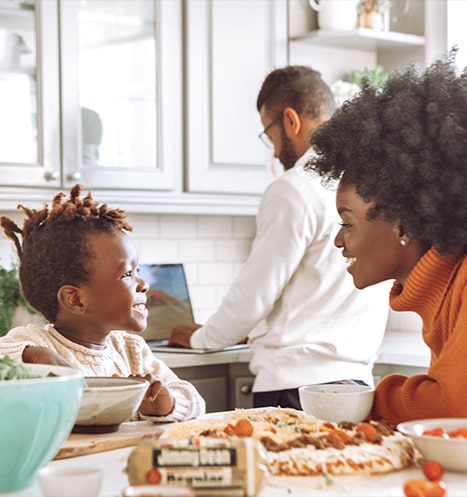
(43, 355)
(158, 400)
(180, 335)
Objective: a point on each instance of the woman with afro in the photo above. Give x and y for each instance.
(79, 268)
(400, 155)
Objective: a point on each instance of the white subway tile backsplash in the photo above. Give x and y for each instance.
(203, 299)
(178, 226)
(214, 273)
(144, 225)
(215, 227)
(232, 250)
(159, 251)
(197, 250)
(244, 227)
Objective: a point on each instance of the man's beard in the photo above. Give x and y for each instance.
(288, 156)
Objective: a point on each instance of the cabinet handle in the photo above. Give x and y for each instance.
(51, 175)
(246, 388)
(74, 176)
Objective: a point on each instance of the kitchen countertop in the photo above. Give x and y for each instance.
(398, 348)
(113, 465)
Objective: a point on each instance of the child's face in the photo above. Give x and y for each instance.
(115, 296)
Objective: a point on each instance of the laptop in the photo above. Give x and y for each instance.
(169, 305)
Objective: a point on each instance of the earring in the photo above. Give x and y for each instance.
(404, 240)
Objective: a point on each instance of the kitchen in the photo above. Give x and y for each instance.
(198, 206)
(202, 213)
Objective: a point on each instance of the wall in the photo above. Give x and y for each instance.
(212, 249)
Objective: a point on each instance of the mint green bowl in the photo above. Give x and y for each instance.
(36, 417)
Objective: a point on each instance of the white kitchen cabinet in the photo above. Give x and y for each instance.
(149, 103)
(104, 81)
(29, 90)
(231, 45)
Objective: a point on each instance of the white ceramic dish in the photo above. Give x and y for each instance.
(337, 402)
(451, 453)
(158, 491)
(107, 402)
(79, 481)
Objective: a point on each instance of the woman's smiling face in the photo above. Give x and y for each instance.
(373, 248)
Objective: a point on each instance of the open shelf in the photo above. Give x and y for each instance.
(362, 39)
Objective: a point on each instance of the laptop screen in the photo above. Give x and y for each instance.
(168, 301)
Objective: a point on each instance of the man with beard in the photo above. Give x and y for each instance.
(293, 298)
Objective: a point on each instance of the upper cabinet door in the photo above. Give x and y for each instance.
(121, 66)
(29, 89)
(231, 46)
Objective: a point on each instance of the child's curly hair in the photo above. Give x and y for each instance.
(405, 147)
(55, 249)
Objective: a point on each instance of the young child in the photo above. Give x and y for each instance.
(79, 268)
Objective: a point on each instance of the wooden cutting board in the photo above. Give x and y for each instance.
(130, 433)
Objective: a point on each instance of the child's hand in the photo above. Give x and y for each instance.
(43, 355)
(158, 400)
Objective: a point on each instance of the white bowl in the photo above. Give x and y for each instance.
(78, 481)
(337, 402)
(451, 453)
(107, 402)
(169, 490)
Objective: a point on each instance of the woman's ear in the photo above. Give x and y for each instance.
(68, 297)
(404, 238)
(291, 122)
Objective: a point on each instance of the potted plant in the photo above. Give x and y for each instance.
(371, 13)
(11, 299)
(352, 84)
(377, 76)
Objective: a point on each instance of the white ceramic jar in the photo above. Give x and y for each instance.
(336, 15)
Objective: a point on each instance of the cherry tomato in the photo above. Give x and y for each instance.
(368, 430)
(422, 488)
(437, 489)
(244, 428)
(436, 432)
(337, 437)
(458, 433)
(229, 429)
(433, 470)
(153, 476)
(415, 488)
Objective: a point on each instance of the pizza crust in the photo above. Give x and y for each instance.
(297, 444)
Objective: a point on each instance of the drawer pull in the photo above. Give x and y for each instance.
(246, 388)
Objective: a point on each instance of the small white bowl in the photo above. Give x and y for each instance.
(107, 402)
(158, 491)
(337, 402)
(451, 453)
(77, 481)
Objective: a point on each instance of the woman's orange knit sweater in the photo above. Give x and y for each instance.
(436, 289)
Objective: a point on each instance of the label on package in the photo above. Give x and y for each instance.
(204, 466)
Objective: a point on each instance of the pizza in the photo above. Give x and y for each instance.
(300, 445)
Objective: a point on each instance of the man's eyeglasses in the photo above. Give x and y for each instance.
(264, 137)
